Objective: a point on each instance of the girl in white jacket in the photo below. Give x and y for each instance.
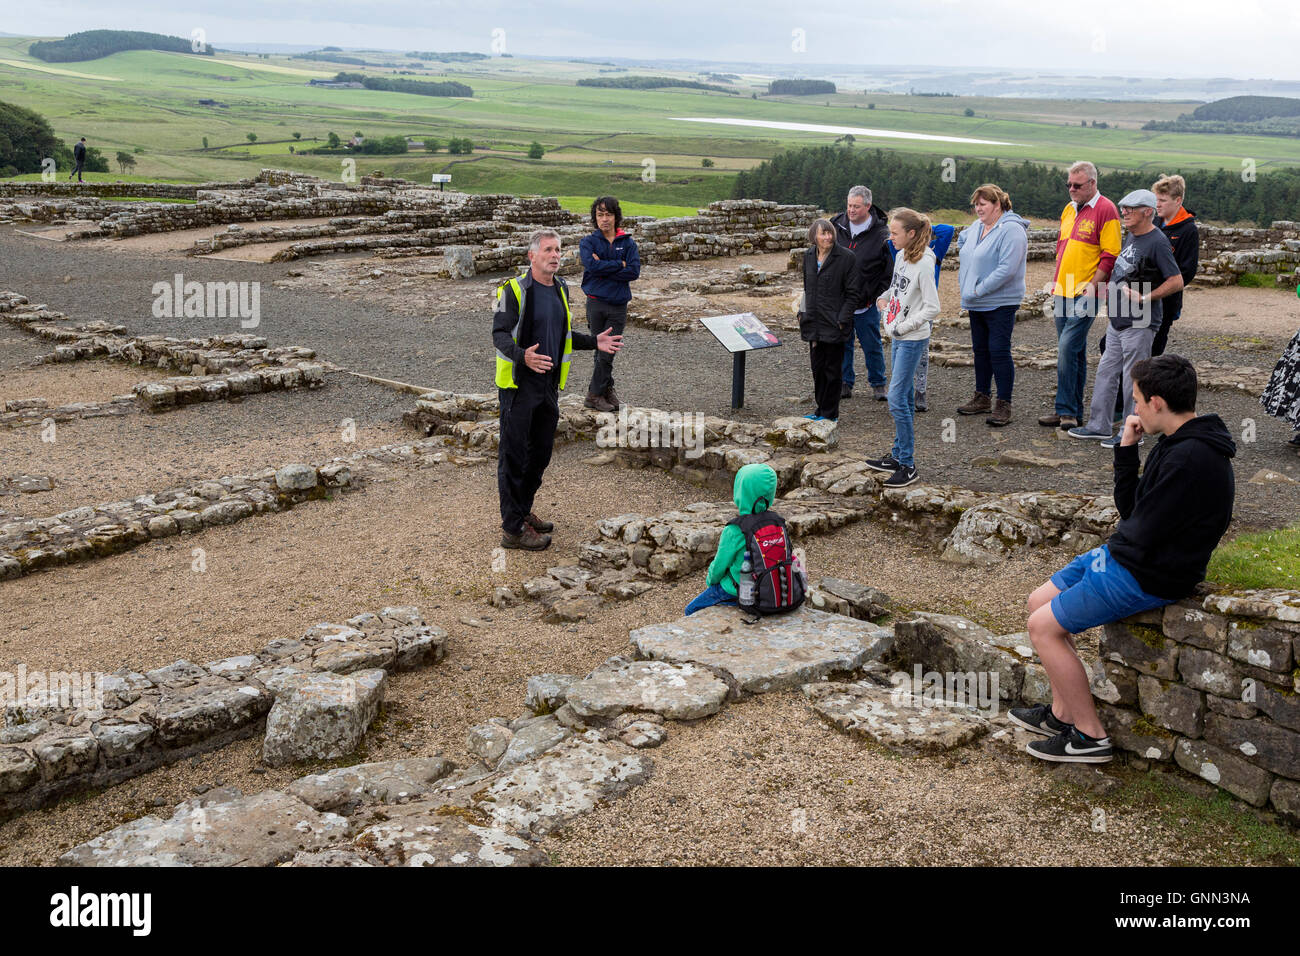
(909, 307)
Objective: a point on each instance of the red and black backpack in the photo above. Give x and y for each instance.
(778, 588)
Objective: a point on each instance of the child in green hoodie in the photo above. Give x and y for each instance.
(753, 493)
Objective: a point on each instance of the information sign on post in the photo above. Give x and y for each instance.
(740, 334)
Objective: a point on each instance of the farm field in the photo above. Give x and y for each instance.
(596, 140)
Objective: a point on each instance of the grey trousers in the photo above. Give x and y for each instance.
(1115, 370)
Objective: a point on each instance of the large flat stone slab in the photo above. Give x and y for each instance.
(223, 828)
(422, 836)
(894, 718)
(677, 691)
(570, 780)
(776, 653)
(387, 782)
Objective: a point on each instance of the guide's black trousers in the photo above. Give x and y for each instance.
(529, 415)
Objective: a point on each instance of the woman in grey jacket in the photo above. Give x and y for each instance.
(992, 281)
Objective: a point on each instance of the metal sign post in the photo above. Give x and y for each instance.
(739, 335)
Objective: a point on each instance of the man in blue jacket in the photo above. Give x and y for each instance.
(610, 262)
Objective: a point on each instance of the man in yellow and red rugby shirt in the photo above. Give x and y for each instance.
(1086, 248)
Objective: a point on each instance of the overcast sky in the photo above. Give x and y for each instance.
(1239, 38)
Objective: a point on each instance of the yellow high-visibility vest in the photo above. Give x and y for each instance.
(505, 367)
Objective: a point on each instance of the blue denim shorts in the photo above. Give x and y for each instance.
(1096, 590)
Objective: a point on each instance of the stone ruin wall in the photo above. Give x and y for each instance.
(1212, 684)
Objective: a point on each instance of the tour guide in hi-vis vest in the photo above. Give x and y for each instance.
(534, 337)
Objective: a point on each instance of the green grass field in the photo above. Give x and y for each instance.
(1265, 559)
(596, 140)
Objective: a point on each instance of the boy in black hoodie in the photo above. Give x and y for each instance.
(1171, 520)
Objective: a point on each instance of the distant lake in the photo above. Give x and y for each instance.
(839, 130)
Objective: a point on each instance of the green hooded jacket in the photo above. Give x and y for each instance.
(754, 491)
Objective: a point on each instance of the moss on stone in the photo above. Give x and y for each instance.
(1152, 637)
(1146, 726)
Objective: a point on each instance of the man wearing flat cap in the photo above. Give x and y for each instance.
(1145, 272)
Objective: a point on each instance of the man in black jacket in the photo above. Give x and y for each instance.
(534, 337)
(1179, 224)
(78, 154)
(863, 229)
(1171, 520)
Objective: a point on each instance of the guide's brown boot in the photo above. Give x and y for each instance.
(537, 524)
(976, 406)
(1001, 414)
(527, 539)
(599, 403)
(611, 396)
(1051, 421)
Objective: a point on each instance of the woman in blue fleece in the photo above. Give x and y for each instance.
(753, 492)
(992, 281)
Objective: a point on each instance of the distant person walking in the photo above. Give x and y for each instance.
(78, 154)
(1179, 224)
(610, 262)
(1145, 273)
(830, 291)
(1281, 396)
(940, 239)
(1086, 248)
(991, 276)
(910, 306)
(863, 230)
(534, 338)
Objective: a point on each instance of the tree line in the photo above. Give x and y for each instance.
(799, 87)
(650, 83)
(26, 138)
(1258, 115)
(822, 176)
(92, 44)
(399, 85)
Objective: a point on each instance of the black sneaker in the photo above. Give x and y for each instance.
(1039, 719)
(903, 477)
(887, 464)
(1072, 746)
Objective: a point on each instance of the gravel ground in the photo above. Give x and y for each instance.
(107, 459)
(358, 330)
(274, 575)
(93, 380)
(426, 538)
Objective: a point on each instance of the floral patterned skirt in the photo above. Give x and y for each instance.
(1282, 395)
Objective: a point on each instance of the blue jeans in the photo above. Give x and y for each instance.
(990, 339)
(1074, 319)
(1096, 589)
(866, 326)
(903, 358)
(713, 594)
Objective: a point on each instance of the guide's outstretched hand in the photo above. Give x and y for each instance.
(608, 342)
(537, 361)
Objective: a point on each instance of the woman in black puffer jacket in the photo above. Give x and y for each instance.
(830, 292)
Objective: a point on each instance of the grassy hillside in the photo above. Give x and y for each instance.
(596, 140)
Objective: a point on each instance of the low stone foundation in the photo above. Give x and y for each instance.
(1212, 684)
(134, 722)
